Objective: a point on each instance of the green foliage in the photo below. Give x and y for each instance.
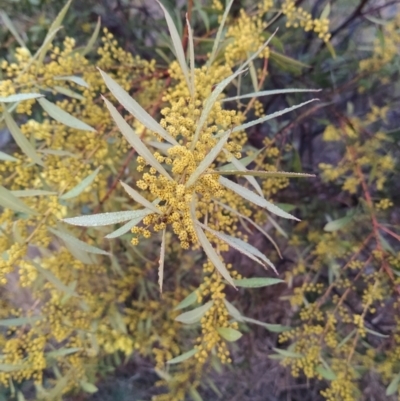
(169, 148)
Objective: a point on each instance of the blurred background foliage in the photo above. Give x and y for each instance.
(341, 264)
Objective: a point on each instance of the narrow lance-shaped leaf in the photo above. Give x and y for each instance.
(134, 108)
(63, 117)
(25, 193)
(60, 18)
(92, 39)
(50, 277)
(270, 116)
(10, 26)
(68, 92)
(288, 354)
(42, 50)
(40, 391)
(219, 34)
(234, 312)
(71, 290)
(375, 20)
(327, 374)
(78, 189)
(257, 53)
(286, 63)
(19, 321)
(62, 352)
(54, 27)
(10, 201)
(206, 162)
(139, 198)
(229, 334)
(244, 161)
(16, 232)
(263, 174)
(262, 231)
(257, 282)
(203, 14)
(161, 261)
(8, 367)
(10, 109)
(77, 242)
(77, 253)
(73, 78)
(191, 56)
(127, 227)
(326, 11)
(20, 138)
(194, 394)
(59, 387)
(210, 101)
(375, 333)
(57, 152)
(243, 247)
(268, 93)
(183, 357)
(347, 338)
(209, 250)
(177, 43)
(163, 374)
(393, 385)
(7, 158)
(162, 146)
(189, 300)
(20, 97)
(287, 207)
(135, 140)
(105, 219)
(162, 54)
(88, 387)
(274, 328)
(338, 224)
(194, 315)
(253, 182)
(277, 227)
(254, 198)
(253, 76)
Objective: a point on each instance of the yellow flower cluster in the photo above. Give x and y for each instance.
(383, 52)
(352, 275)
(265, 5)
(246, 38)
(331, 134)
(361, 154)
(179, 120)
(298, 17)
(217, 5)
(27, 351)
(216, 317)
(342, 388)
(64, 307)
(384, 204)
(70, 321)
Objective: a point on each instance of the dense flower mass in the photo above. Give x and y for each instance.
(179, 120)
(105, 137)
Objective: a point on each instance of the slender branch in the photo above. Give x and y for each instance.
(374, 10)
(367, 195)
(390, 232)
(356, 13)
